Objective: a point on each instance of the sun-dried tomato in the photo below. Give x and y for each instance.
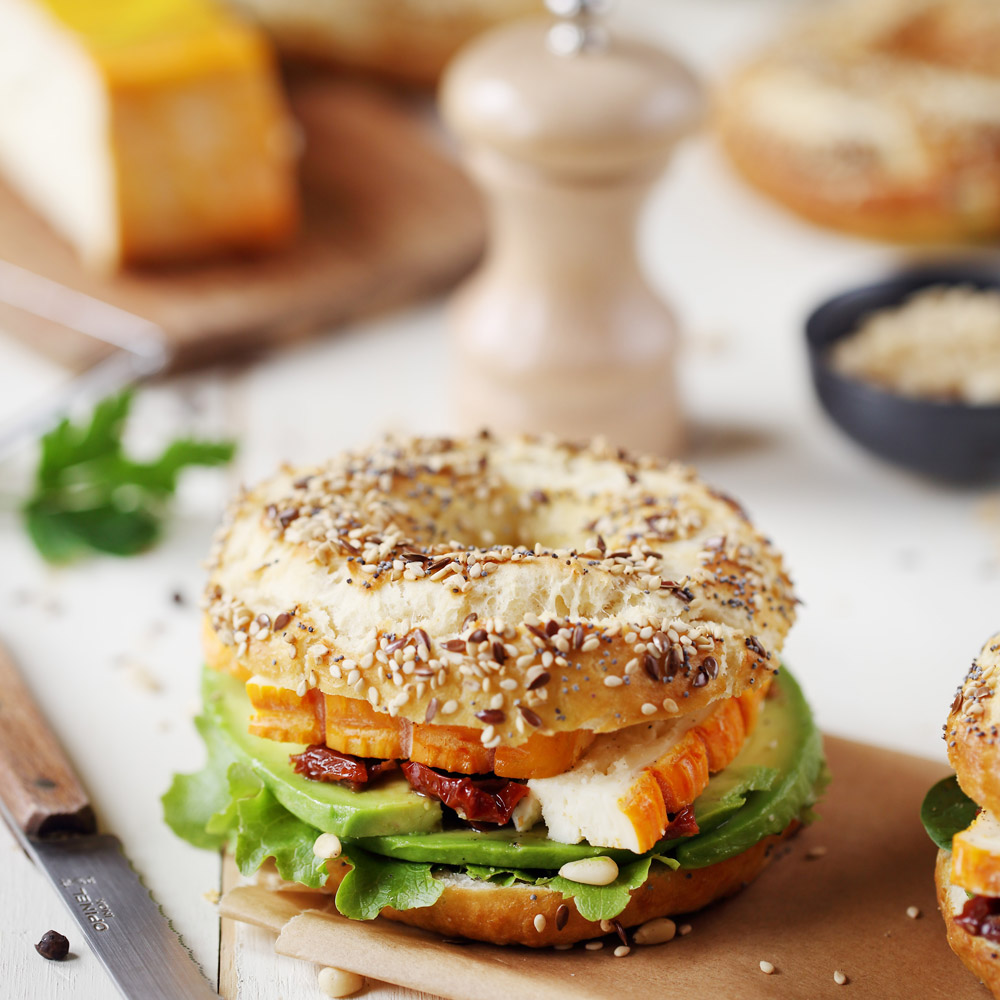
(321, 763)
(478, 800)
(980, 917)
(683, 824)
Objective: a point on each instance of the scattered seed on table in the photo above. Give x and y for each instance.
(655, 931)
(839, 978)
(622, 950)
(913, 912)
(684, 929)
(767, 968)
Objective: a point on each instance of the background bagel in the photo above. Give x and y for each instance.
(979, 955)
(973, 728)
(878, 117)
(512, 586)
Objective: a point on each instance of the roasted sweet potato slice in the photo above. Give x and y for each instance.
(542, 756)
(451, 748)
(283, 715)
(353, 726)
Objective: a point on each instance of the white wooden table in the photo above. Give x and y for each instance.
(900, 577)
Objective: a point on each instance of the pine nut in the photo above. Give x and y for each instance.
(327, 845)
(590, 871)
(339, 983)
(655, 931)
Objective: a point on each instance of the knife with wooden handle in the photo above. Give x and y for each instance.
(51, 815)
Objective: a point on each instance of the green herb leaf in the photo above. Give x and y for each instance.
(602, 902)
(946, 810)
(90, 497)
(375, 881)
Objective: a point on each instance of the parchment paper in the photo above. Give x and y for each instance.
(845, 910)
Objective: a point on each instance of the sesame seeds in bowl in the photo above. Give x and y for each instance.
(884, 393)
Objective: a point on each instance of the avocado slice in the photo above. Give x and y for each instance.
(787, 741)
(388, 808)
(770, 782)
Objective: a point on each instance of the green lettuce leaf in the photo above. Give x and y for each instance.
(243, 784)
(603, 902)
(193, 800)
(375, 881)
(266, 829)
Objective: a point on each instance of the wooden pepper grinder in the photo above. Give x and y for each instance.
(565, 127)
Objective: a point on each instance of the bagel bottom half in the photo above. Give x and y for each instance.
(979, 955)
(482, 911)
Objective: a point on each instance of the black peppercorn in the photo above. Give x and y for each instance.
(53, 946)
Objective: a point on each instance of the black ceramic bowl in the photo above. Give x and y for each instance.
(950, 441)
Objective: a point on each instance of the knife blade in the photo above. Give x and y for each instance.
(46, 806)
(140, 348)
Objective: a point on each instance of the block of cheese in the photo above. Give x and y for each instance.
(145, 130)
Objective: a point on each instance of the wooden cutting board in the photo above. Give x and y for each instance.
(388, 219)
(845, 910)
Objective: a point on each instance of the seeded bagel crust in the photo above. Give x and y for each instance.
(973, 728)
(979, 955)
(506, 914)
(512, 585)
(881, 118)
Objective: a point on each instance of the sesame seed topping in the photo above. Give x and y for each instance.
(648, 708)
(539, 922)
(613, 681)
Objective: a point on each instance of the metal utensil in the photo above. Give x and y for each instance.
(140, 347)
(52, 818)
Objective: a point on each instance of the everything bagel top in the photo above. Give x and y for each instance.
(516, 586)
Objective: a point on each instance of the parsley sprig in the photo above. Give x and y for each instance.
(90, 496)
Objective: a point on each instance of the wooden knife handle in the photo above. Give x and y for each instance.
(37, 784)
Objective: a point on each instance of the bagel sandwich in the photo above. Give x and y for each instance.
(961, 815)
(876, 117)
(508, 689)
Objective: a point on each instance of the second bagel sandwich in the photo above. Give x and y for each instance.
(500, 688)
